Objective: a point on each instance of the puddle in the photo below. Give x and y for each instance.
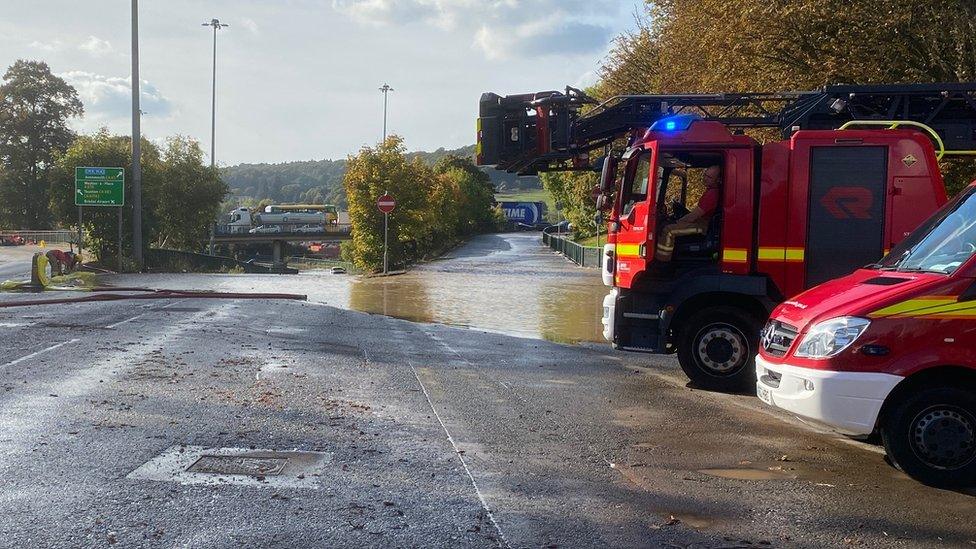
(749, 474)
(699, 522)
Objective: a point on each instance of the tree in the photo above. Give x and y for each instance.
(435, 206)
(101, 223)
(770, 45)
(475, 194)
(181, 195)
(35, 107)
(188, 196)
(574, 191)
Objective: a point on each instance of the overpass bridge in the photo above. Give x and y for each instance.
(235, 234)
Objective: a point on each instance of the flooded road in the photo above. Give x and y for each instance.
(505, 283)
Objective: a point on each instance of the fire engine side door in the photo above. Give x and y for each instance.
(634, 242)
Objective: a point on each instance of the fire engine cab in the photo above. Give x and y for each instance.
(890, 349)
(855, 171)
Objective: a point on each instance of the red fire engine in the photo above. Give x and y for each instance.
(857, 170)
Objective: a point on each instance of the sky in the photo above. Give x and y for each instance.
(299, 79)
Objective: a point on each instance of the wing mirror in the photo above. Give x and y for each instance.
(608, 174)
(601, 203)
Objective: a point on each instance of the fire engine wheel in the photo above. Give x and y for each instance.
(717, 348)
(931, 436)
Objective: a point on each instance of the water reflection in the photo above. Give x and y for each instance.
(504, 283)
(400, 296)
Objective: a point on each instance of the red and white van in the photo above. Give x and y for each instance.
(890, 349)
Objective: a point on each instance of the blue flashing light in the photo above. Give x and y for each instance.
(675, 122)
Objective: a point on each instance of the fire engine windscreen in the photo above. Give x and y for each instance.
(943, 244)
(682, 182)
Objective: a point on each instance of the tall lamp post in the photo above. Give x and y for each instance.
(217, 25)
(386, 89)
(136, 148)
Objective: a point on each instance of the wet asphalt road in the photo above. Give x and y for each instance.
(427, 436)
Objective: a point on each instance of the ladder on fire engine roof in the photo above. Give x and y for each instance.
(530, 133)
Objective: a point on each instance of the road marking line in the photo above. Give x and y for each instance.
(484, 503)
(117, 324)
(36, 353)
(557, 427)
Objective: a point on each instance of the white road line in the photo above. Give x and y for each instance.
(481, 498)
(519, 397)
(36, 353)
(138, 316)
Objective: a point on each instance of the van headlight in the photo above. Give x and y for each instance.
(830, 337)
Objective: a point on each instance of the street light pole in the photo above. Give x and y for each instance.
(217, 25)
(136, 146)
(386, 89)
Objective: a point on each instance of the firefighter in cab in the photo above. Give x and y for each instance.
(696, 221)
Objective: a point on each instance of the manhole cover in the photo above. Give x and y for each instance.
(239, 465)
(235, 466)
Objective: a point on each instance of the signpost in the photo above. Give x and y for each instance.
(386, 204)
(100, 187)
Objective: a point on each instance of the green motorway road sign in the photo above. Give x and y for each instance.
(99, 186)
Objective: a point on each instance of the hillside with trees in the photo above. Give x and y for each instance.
(320, 181)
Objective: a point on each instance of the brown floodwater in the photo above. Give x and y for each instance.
(507, 283)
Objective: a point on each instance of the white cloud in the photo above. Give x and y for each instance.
(385, 12)
(540, 38)
(250, 24)
(587, 79)
(96, 46)
(502, 28)
(109, 98)
(51, 46)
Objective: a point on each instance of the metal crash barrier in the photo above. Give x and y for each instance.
(584, 256)
(65, 236)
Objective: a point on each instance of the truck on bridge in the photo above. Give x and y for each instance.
(283, 218)
(856, 171)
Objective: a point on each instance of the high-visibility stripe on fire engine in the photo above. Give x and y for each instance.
(781, 254)
(477, 148)
(937, 307)
(628, 250)
(735, 255)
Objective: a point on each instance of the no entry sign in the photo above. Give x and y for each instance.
(386, 203)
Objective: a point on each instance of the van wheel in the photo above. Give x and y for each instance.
(931, 436)
(717, 349)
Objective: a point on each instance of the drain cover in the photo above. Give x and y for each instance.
(239, 465)
(222, 466)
